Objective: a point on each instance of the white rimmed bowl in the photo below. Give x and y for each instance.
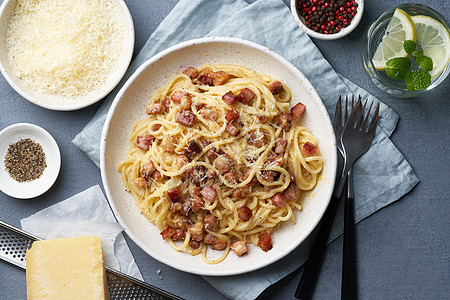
(30, 189)
(58, 102)
(129, 106)
(343, 32)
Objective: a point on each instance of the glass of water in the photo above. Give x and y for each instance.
(372, 39)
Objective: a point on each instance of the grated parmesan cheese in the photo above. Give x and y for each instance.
(64, 47)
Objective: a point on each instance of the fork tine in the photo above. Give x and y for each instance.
(354, 114)
(373, 122)
(337, 114)
(363, 125)
(346, 108)
(361, 116)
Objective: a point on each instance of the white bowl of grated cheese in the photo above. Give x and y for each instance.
(65, 55)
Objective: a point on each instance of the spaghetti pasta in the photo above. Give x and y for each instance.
(220, 160)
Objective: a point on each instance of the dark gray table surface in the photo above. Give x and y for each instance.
(403, 251)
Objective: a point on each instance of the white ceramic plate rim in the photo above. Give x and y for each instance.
(65, 104)
(345, 31)
(31, 189)
(205, 270)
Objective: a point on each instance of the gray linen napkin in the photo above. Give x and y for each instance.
(381, 176)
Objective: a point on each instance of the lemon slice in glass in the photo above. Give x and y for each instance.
(434, 39)
(399, 29)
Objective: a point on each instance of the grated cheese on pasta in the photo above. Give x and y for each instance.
(63, 47)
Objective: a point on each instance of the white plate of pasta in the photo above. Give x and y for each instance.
(218, 157)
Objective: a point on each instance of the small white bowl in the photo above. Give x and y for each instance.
(58, 102)
(29, 189)
(343, 32)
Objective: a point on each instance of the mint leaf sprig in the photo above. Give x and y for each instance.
(398, 68)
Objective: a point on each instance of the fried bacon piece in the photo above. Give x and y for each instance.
(156, 127)
(232, 129)
(246, 96)
(197, 203)
(275, 161)
(197, 232)
(220, 77)
(230, 177)
(257, 139)
(208, 192)
(144, 142)
(191, 72)
(292, 192)
(247, 173)
(278, 200)
(244, 213)
(297, 110)
(223, 163)
(210, 114)
(154, 109)
(232, 115)
(141, 182)
(193, 190)
(309, 149)
(268, 175)
(216, 243)
(241, 192)
(186, 118)
(186, 102)
(230, 98)
(178, 94)
(186, 207)
(194, 244)
(168, 144)
(173, 194)
(180, 161)
(211, 222)
(280, 145)
(168, 233)
(212, 153)
(166, 104)
(265, 242)
(206, 77)
(147, 169)
(175, 207)
(276, 87)
(239, 247)
(284, 121)
(210, 77)
(193, 148)
(183, 223)
(157, 176)
(179, 235)
(211, 174)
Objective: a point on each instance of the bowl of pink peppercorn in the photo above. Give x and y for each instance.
(327, 19)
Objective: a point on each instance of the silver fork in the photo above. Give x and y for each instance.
(355, 142)
(348, 286)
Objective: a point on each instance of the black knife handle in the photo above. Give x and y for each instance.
(348, 290)
(307, 282)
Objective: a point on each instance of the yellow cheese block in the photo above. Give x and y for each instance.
(70, 268)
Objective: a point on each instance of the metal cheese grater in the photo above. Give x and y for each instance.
(15, 242)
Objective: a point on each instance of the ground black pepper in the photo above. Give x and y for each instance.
(25, 160)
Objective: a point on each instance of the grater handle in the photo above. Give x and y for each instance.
(14, 244)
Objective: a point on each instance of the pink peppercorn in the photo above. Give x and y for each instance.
(327, 16)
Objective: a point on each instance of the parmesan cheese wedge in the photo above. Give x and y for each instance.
(70, 268)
